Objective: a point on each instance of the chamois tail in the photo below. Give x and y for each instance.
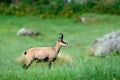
(25, 53)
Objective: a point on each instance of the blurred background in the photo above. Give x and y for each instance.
(64, 8)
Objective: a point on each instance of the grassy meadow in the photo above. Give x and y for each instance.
(79, 36)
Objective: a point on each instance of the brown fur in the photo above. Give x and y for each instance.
(46, 54)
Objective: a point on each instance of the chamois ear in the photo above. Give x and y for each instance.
(61, 36)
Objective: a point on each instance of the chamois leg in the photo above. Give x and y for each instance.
(50, 62)
(28, 62)
(25, 66)
(49, 65)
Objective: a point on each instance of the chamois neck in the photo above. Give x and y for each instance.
(57, 47)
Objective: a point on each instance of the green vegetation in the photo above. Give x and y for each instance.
(64, 8)
(79, 36)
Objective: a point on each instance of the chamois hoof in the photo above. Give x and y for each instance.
(25, 67)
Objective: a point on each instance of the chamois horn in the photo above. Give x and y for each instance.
(61, 36)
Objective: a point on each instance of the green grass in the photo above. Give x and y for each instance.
(79, 36)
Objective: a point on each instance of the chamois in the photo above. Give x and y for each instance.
(46, 54)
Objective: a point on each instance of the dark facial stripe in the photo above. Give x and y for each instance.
(63, 42)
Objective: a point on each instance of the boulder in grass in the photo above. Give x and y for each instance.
(27, 32)
(109, 43)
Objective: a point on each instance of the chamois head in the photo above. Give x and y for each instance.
(61, 41)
